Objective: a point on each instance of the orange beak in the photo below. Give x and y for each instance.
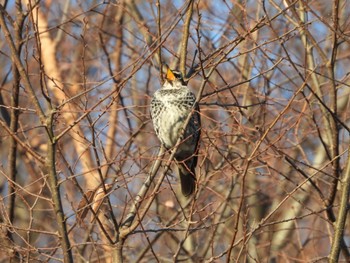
(170, 75)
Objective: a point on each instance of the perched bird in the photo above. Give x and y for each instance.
(170, 107)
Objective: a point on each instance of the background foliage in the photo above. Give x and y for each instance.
(77, 144)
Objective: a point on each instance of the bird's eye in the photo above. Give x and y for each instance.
(177, 74)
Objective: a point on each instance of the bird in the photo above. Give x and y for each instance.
(170, 108)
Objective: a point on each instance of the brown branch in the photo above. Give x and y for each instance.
(249, 161)
(160, 41)
(56, 196)
(338, 239)
(332, 92)
(20, 67)
(185, 37)
(14, 117)
(30, 151)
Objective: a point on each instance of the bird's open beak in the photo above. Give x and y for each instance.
(170, 75)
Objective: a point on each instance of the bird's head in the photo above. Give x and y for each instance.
(174, 78)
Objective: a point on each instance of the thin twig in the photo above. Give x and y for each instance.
(185, 37)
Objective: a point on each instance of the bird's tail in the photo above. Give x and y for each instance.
(186, 172)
